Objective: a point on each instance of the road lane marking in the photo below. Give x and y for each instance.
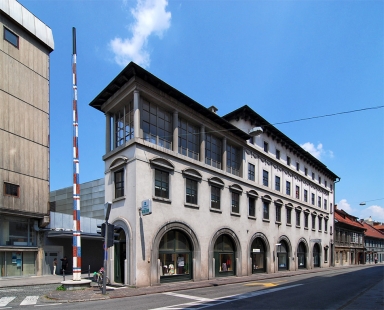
(188, 296)
(270, 284)
(219, 301)
(29, 300)
(5, 301)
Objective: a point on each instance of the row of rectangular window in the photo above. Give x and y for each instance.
(191, 192)
(298, 217)
(288, 190)
(266, 149)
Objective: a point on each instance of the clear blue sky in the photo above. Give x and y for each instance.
(287, 60)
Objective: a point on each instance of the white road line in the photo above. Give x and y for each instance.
(214, 302)
(5, 301)
(29, 300)
(11, 290)
(188, 296)
(45, 305)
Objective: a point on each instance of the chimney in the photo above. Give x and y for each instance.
(213, 109)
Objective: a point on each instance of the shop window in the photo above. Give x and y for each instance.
(301, 255)
(258, 256)
(11, 189)
(119, 183)
(11, 37)
(17, 231)
(156, 125)
(282, 255)
(189, 139)
(316, 255)
(224, 251)
(175, 255)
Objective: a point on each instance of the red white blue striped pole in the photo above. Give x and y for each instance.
(76, 245)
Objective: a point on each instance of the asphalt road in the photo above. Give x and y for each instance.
(335, 289)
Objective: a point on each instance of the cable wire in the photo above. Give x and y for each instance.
(327, 115)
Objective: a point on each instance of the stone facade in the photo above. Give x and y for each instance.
(224, 202)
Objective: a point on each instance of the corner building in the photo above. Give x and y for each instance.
(225, 201)
(25, 47)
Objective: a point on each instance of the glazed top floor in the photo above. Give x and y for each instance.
(139, 105)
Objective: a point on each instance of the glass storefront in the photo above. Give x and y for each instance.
(17, 231)
(224, 256)
(301, 251)
(175, 254)
(16, 236)
(17, 263)
(258, 256)
(282, 256)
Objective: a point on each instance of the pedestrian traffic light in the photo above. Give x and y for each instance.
(102, 229)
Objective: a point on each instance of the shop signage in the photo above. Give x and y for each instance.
(146, 207)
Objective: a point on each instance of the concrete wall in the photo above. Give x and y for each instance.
(24, 120)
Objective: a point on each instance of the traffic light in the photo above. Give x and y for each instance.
(111, 235)
(102, 227)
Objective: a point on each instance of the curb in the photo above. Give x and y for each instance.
(90, 294)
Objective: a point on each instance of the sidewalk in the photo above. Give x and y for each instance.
(94, 293)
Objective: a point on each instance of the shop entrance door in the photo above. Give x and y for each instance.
(49, 257)
(316, 255)
(120, 257)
